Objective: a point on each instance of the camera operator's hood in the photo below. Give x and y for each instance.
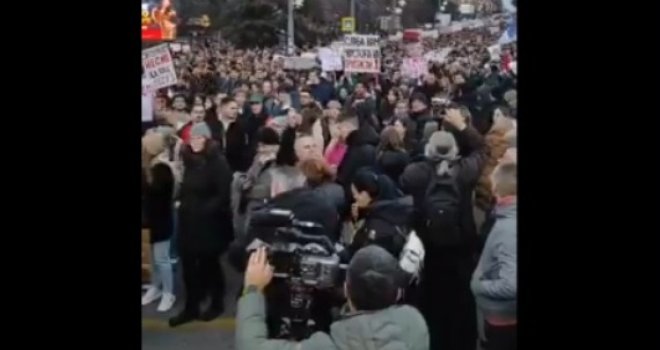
(397, 327)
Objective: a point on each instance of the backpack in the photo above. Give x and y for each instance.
(440, 210)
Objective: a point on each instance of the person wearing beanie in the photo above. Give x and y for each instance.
(448, 305)
(420, 114)
(251, 189)
(200, 130)
(204, 230)
(372, 320)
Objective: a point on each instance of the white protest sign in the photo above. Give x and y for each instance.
(330, 60)
(185, 48)
(158, 67)
(361, 53)
(494, 52)
(438, 55)
(414, 67)
(299, 63)
(147, 106)
(443, 19)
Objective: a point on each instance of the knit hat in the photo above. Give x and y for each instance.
(200, 129)
(375, 271)
(256, 99)
(268, 136)
(442, 147)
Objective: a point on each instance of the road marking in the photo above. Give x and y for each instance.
(224, 324)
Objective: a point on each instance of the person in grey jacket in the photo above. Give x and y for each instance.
(494, 280)
(374, 321)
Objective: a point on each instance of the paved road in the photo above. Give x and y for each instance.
(215, 335)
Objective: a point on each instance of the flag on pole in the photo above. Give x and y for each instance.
(510, 34)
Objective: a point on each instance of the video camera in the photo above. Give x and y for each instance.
(305, 259)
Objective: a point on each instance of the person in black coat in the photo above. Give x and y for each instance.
(447, 300)
(383, 215)
(391, 156)
(231, 135)
(205, 227)
(358, 154)
(420, 114)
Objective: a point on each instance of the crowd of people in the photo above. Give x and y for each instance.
(377, 155)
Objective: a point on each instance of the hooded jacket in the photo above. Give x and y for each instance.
(385, 224)
(394, 328)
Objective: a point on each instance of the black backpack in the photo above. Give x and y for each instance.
(440, 211)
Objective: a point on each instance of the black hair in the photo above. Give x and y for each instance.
(373, 279)
(268, 136)
(227, 100)
(379, 187)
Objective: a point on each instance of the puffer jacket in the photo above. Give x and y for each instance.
(394, 328)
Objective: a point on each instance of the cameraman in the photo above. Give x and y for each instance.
(373, 322)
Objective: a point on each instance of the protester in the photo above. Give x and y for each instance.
(231, 134)
(161, 177)
(442, 186)
(205, 232)
(320, 177)
(373, 321)
(358, 153)
(496, 144)
(382, 213)
(494, 280)
(391, 156)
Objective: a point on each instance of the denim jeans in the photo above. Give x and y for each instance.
(174, 254)
(162, 267)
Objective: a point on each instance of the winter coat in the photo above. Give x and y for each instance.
(332, 193)
(392, 163)
(235, 142)
(323, 92)
(494, 280)
(205, 222)
(358, 154)
(385, 223)
(467, 170)
(415, 131)
(397, 327)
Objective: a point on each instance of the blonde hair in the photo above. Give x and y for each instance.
(505, 179)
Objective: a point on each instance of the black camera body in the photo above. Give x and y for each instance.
(305, 259)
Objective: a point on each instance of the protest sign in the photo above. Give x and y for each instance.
(185, 48)
(158, 67)
(361, 53)
(414, 68)
(299, 63)
(443, 19)
(330, 60)
(438, 55)
(494, 52)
